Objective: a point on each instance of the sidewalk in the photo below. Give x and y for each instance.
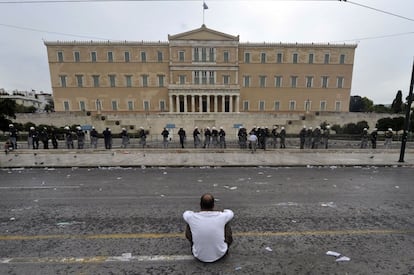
(203, 157)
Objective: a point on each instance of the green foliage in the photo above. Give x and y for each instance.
(337, 128)
(380, 108)
(360, 104)
(397, 104)
(396, 123)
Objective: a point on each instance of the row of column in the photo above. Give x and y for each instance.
(202, 103)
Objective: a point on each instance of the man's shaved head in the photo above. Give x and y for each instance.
(207, 202)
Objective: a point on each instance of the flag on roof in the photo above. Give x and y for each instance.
(205, 6)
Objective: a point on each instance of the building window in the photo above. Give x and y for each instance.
(144, 80)
(98, 105)
(62, 81)
(307, 105)
(110, 57)
(66, 105)
(212, 56)
(95, 81)
(309, 81)
(340, 82)
(114, 105)
(82, 105)
(246, 57)
(337, 106)
(197, 77)
(126, 55)
(112, 79)
(261, 105)
(93, 56)
(76, 56)
(162, 105)
(226, 55)
(323, 106)
(245, 105)
(324, 82)
(311, 56)
(326, 58)
(143, 57)
(279, 58)
(226, 79)
(161, 80)
(196, 55)
(278, 81)
(181, 79)
(79, 80)
(211, 78)
(60, 56)
(292, 105)
(159, 56)
(277, 105)
(204, 77)
(181, 56)
(293, 81)
(246, 81)
(342, 59)
(203, 54)
(128, 81)
(130, 105)
(146, 105)
(295, 58)
(262, 81)
(263, 58)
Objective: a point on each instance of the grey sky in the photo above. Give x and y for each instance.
(382, 65)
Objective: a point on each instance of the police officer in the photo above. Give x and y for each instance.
(94, 138)
(374, 136)
(13, 136)
(80, 136)
(222, 138)
(44, 137)
(196, 137)
(302, 137)
(68, 138)
(124, 138)
(142, 136)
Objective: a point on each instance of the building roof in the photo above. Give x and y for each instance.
(203, 33)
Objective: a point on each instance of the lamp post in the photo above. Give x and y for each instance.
(407, 118)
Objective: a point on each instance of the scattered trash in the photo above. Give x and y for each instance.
(164, 173)
(397, 187)
(338, 256)
(126, 255)
(268, 249)
(233, 188)
(12, 218)
(119, 178)
(325, 179)
(294, 221)
(162, 196)
(343, 259)
(202, 181)
(328, 204)
(333, 253)
(238, 268)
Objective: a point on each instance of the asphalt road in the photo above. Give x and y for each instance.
(129, 221)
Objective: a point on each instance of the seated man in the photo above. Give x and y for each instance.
(208, 230)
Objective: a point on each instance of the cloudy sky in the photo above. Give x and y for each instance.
(383, 30)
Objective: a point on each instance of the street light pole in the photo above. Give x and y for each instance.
(407, 118)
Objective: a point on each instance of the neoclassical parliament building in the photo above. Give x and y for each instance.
(200, 71)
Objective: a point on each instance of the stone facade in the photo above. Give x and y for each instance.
(197, 72)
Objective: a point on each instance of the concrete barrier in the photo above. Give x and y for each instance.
(202, 157)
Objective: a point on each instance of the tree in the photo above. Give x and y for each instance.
(360, 104)
(380, 108)
(7, 111)
(397, 104)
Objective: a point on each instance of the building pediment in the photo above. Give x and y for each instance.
(203, 33)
